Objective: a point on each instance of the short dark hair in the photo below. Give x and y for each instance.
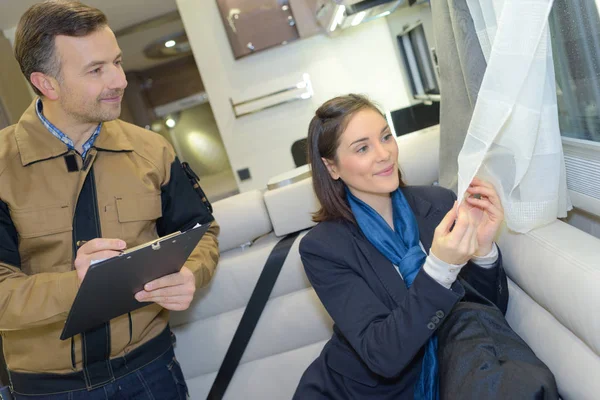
(324, 132)
(38, 28)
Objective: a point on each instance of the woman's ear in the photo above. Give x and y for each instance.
(331, 168)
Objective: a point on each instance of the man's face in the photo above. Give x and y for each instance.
(91, 81)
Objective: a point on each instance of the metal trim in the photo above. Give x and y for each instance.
(304, 84)
(289, 181)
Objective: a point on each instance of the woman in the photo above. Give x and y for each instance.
(384, 259)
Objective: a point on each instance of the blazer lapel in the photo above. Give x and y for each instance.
(384, 269)
(427, 215)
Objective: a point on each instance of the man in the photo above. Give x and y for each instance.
(78, 185)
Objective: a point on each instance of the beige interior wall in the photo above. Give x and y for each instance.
(197, 140)
(15, 96)
(200, 141)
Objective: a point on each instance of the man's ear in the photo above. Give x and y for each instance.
(331, 168)
(47, 85)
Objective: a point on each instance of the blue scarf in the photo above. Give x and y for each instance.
(401, 247)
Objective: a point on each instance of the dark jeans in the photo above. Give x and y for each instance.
(162, 379)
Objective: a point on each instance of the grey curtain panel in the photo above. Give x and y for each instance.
(462, 66)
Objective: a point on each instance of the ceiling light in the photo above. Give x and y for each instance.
(173, 45)
(170, 122)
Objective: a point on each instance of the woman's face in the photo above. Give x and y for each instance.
(367, 157)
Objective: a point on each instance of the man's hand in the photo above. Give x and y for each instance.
(173, 292)
(96, 249)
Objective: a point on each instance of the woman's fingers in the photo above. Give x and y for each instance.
(461, 226)
(474, 241)
(484, 192)
(486, 189)
(486, 205)
(444, 226)
(474, 221)
(464, 246)
(480, 182)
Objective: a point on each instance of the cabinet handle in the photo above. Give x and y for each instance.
(250, 46)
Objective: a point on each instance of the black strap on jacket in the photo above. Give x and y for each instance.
(256, 304)
(195, 181)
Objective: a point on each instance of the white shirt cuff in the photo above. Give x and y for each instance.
(489, 260)
(445, 274)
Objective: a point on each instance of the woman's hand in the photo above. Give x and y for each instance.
(458, 245)
(491, 217)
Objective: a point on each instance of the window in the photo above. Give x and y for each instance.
(418, 62)
(575, 31)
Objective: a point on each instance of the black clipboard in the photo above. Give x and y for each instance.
(109, 287)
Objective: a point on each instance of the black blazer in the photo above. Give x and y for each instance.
(380, 326)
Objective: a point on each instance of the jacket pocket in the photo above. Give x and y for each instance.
(137, 215)
(48, 228)
(139, 208)
(348, 364)
(32, 223)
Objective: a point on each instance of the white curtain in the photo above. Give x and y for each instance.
(513, 139)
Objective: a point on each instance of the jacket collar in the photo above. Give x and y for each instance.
(36, 143)
(427, 216)
(113, 137)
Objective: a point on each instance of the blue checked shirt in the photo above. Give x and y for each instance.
(61, 136)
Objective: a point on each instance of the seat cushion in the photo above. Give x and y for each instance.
(274, 377)
(557, 266)
(287, 322)
(575, 366)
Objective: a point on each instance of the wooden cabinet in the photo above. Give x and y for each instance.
(173, 81)
(158, 86)
(135, 108)
(304, 15)
(254, 25)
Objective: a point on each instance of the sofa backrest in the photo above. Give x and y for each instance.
(554, 302)
(242, 218)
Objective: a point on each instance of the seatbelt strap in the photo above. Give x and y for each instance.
(256, 304)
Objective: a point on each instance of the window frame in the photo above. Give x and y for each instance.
(585, 155)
